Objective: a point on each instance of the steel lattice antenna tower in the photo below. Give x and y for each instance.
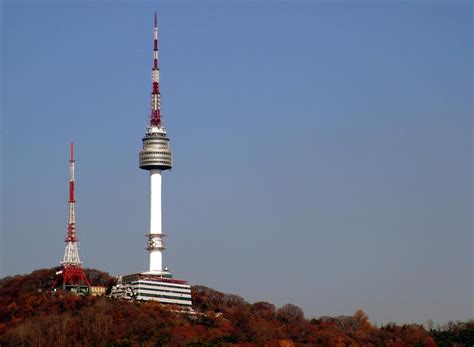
(155, 157)
(71, 273)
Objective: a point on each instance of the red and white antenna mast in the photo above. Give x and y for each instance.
(71, 227)
(71, 274)
(155, 119)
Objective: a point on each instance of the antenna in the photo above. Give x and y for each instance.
(155, 119)
(72, 275)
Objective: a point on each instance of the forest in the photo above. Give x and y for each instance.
(31, 315)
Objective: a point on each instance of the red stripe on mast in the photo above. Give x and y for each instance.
(155, 119)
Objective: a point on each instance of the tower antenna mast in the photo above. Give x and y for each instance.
(155, 119)
(71, 274)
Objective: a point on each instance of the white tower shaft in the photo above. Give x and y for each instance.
(155, 201)
(156, 235)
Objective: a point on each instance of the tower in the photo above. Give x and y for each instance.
(155, 157)
(71, 275)
(157, 283)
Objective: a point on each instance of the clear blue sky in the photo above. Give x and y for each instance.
(322, 150)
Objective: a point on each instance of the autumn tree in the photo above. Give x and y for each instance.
(290, 314)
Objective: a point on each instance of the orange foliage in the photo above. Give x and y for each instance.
(31, 315)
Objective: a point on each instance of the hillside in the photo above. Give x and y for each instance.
(31, 315)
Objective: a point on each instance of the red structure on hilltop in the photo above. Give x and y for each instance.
(71, 276)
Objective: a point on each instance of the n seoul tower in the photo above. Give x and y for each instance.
(157, 283)
(155, 157)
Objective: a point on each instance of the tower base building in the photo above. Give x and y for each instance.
(148, 286)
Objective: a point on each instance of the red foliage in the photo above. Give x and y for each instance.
(30, 314)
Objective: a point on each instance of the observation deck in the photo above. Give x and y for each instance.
(156, 154)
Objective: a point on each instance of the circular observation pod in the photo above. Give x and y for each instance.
(156, 154)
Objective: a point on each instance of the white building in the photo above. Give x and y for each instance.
(145, 286)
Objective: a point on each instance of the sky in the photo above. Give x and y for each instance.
(322, 150)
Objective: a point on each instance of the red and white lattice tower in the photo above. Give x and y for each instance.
(71, 273)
